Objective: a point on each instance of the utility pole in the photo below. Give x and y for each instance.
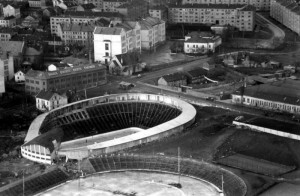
(178, 165)
(23, 183)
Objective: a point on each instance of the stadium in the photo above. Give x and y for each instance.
(104, 125)
(94, 131)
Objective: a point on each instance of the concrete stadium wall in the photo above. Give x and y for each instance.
(266, 130)
(186, 118)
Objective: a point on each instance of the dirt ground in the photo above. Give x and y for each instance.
(134, 184)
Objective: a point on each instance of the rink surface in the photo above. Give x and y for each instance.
(130, 182)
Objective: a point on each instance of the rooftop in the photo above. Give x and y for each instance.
(78, 27)
(150, 22)
(215, 6)
(174, 77)
(88, 6)
(46, 95)
(284, 91)
(15, 47)
(65, 72)
(197, 72)
(108, 30)
(88, 14)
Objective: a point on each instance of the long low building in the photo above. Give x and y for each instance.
(240, 16)
(281, 96)
(106, 124)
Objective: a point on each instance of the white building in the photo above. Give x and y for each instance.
(111, 41)
(160, 12)
(11, 10)
(19, 76)
(197, 43)
(278, 96)
(48, 100)
(258, 4)
(153, 32)
(9, 21)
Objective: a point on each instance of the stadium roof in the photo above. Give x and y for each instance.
(285, 91)
(65, 72)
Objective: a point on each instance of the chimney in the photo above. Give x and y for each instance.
(90, 56)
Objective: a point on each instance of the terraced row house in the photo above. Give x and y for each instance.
(258, 4)
(287, 12)
(237, 15)
(81, 17)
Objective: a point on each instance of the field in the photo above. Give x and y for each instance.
(134, 184)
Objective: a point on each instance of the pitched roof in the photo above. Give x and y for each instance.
(197, 72)
(285, 91)
(46, 95)
(88, 6)
(15, 47)
(89, 14)
(149, 22)
(78, 27)
(174, 77)
(108, 30)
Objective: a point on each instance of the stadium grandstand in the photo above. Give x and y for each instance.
(105, 124)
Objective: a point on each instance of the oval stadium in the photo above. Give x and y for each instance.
(94, 131)
(104, 125)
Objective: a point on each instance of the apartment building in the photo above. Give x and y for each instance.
(111, 41)
(9, 21)
(287, 12)
(237, 15)
(111, 5)
(159, 11)
(97, 3)
(153, 32)
(73, 33)
(6, 33)
(134, 10)
(258, 4)
(79, 77)
(82, 17)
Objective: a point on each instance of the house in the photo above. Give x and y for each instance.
(196, 76)
(153, 32)
(11, 10)
(30, 21)
(201, 43)
(6, 65)
(111, 41)
(48, 100)
(86, 7)
(48, 12)
(6, 33)
(282, 96)
(19, 76)
(9, 21)
(125, 64)
(176, 79)
(208, 65)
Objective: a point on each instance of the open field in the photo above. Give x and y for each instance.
(134, 184)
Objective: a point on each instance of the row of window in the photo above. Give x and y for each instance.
(272, 105)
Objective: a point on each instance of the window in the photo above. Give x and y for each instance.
(106, 54)
(106, 47)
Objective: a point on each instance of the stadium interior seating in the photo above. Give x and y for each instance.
(113, 116)
(233, 186)
(37, 184)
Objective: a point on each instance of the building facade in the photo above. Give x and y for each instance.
(78, 78)
(81, 34)
(281, 96)
(258, 4)
(287, 12)
(82, 17)
(9, 21)
(153, 32)
(35, 3)
(239, 16)
(160, 12)
(6, 33)
(19, 76)
(11, 10)
(111, 41)
(134, 10)
(48, 100)
(175, 80)
(111, 5)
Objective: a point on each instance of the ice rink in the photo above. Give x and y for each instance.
(133, 183)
